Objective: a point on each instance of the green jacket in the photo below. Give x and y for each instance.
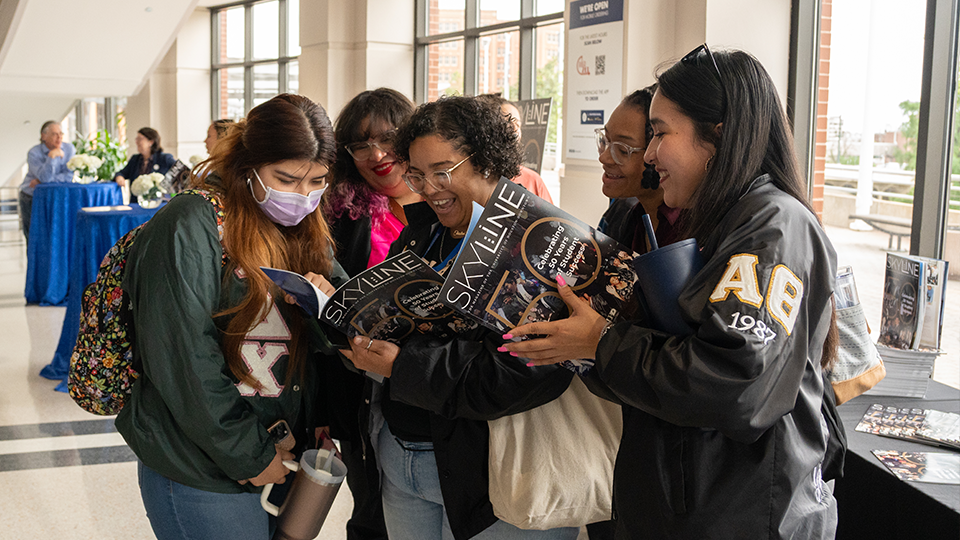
(188, 418)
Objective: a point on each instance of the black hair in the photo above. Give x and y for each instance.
(473, 126)
(349, 192)
(754, 138)
(641, 99)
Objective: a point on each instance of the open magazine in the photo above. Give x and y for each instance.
(506, 273)
(389, 301)
(926, 426)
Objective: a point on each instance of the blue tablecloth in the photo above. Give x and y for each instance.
(96, 233)
(52, 223)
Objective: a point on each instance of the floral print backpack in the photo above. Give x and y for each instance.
(101, 367)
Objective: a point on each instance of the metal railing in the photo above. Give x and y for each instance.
(889, 185)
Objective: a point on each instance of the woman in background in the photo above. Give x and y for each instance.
(150, 158)
(632, 185)
(216, 131)
(724, 432)
(222, 359)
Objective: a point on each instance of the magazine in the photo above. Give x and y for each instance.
(929, 467)
(913, 302)
(925, 426)
(389, 301)
(506, 272)
(176, 179)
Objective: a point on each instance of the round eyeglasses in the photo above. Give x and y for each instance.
(620, 152)
(364, 150)
(439, 180)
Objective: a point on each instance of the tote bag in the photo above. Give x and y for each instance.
(552, 466)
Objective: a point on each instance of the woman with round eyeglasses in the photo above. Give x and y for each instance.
(367, 192)
(365, 211)
(223, 359)
(428, 417)
(727, 430)
(632, 185)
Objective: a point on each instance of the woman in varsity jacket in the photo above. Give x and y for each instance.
(723, 432)
(222, 359)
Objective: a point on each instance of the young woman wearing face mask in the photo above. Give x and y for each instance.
(222, 359)
(428, 419)
(724, 430)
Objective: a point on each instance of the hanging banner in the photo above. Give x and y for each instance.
(594, 71)
(534, 121)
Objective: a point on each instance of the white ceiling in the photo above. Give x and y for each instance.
(53, 52)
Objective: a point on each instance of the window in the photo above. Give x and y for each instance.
(504, 28)
(255, 54)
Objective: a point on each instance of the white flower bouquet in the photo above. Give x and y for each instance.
(85, 166)
(148, 186)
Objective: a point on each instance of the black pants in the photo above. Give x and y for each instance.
(363, 478)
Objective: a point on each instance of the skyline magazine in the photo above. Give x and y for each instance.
(506, 272)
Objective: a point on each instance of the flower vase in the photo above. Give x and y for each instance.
(150, 202)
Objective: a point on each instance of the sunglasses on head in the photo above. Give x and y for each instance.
(698, 57)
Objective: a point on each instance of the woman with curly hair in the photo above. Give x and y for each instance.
(222, 360)
(428, 418)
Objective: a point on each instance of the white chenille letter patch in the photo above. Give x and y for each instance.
(740, 278)
(784, 297)
(264, 346)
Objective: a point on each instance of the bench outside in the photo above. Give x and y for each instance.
(894, 226)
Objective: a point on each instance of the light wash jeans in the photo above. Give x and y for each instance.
(413, 504)
(178, 512)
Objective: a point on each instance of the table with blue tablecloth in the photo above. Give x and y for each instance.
(97, 230)
(52, 222)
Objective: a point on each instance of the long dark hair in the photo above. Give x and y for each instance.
(473, 126)
(640, 100)
(153, 136)
(283, 128)
(349, 193)
(754, 140)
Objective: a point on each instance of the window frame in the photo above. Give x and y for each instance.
(471, 33)
(935, 137)
(283, 60)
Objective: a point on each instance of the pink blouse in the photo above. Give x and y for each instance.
(381, 237)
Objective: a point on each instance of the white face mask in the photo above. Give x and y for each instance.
(285, 207)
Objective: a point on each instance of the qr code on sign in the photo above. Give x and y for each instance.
(601, 64)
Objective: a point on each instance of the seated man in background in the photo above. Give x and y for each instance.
(46, 163)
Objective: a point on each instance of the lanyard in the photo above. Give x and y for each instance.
(456, 249)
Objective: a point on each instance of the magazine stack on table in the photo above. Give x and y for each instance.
(927, 426)
(910, 324)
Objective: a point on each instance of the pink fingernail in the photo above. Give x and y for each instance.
(508, 336)
(501, 349)
(514, 354)
(560, 281)
(529, 364)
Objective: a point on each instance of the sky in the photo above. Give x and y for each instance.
(896, 59)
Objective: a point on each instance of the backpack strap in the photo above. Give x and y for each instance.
(214, 200)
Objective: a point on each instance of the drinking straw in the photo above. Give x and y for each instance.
(648, 225)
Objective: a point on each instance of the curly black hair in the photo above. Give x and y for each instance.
(472, 126)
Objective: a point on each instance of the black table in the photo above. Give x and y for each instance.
(871, 501)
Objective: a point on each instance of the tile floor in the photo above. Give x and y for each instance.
(66, 474)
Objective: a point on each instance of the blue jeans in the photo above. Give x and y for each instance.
(178, 512)
(413, 503)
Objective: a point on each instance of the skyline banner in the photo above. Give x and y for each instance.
(594, 71)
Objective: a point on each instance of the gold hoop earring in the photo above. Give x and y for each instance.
(706, 166)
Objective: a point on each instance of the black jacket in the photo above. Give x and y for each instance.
(352, 237)
(159, 162)
(723, 432)
(463, 383)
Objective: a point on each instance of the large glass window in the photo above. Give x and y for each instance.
(510, 47)
(255, 54)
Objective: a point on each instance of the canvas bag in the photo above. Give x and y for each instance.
(859, 367)
(552, 466)
(101, 367)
